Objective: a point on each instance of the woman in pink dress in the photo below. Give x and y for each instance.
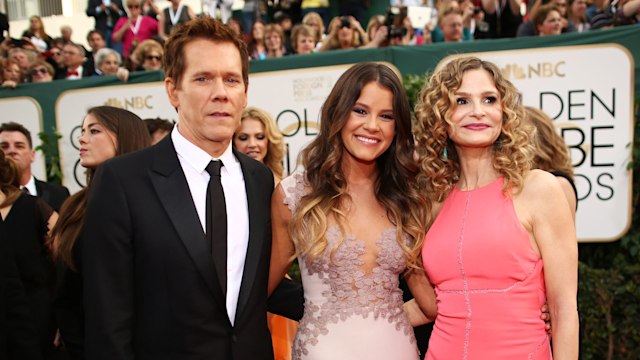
(496, 223)
(134, 29)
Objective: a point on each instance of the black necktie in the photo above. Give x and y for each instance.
(26, 190)
(217, 222)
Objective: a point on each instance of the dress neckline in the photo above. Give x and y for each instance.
(495, 182)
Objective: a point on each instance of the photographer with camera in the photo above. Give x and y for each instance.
(345, 32)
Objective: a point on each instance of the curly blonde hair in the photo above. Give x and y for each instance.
(322, 159)
(512, 151)
(276, 148)
(552, 153)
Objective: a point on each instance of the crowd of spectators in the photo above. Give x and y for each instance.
(130, 38)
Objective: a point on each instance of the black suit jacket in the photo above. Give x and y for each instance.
(18, 338)
(150, 285)
(52, 194)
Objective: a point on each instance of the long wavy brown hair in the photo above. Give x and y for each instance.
(131, 134)
(322, 160)
(512, 151)
(9, 180)
(551, 153)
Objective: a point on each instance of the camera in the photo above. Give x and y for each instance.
(393, 19)
(345, 22)
(17, 42)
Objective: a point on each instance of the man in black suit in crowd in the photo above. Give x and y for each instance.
(166, 274)
(17, 144)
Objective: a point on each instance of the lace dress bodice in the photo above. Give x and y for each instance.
(341, 286)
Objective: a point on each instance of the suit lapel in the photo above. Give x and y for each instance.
(256, 236)
(42, 191)
(173, 191)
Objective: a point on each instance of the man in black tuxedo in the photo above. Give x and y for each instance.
(16, 142)
(176, 260)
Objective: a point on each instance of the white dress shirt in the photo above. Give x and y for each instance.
(31, 186)
(194, 161)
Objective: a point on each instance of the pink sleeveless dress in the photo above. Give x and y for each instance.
(488, 279)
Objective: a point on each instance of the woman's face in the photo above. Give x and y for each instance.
(258, 31)
(272, 41)
(345, 35)
(97, 144)
(251, 139)
(476, 121)
(314, 24)
(134, 9)
(370, 127)
(578, 8)
(40, 74)
(305, 44)
(552, 24)
(110, 65)
(34, 24)
(11, 72)
(152, 60)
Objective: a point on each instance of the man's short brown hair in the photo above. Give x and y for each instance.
(13, 126)
(200, 28)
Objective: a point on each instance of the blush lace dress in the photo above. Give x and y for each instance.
(353, 309)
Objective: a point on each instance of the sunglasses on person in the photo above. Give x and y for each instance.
(133, 6)
(40, 71)
(153, 57)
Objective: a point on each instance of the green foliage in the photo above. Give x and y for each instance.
(412, 86)
(609, 285)
(49, 148)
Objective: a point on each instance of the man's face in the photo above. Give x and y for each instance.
(96, 42)
(211, 96)
(452, 27)
(15, 145)
(72, 57)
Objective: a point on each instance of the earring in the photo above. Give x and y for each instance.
(444, 153)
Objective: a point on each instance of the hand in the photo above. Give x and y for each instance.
(57, 340)
(122, 74)
(9, 84)
(546, 316)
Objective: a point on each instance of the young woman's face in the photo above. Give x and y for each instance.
(370, 127)
(97, 144)
(251, 139)
(258, 30)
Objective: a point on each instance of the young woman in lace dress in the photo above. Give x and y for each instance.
(353, 219)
